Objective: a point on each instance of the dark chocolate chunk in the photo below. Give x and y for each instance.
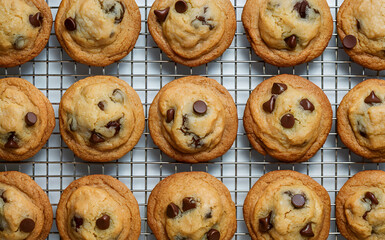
(200, 107)
(70, 24)
(372, 98)
(101, 105)
(161, 15)
(298, 200)
(27, 225)
(269, 105)
(349, 41)
(170, 115)
(307, 231)
(213, 234)
(19, 43)
(103, 222)
(12, 141)
(96, 137)
(189, 203)
(307, 105)
(172, 210)
(181, 6)
(78, 222)
(371, 197)
(30, 119)
(114, 124)
(287, 120)
(300, 7)
(278, 88)
(264, 224)
(36, 19)
(291, 41)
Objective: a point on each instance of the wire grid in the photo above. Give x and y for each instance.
(147, 69)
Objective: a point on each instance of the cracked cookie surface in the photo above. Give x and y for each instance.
(25, 27)
(97, 32)
(101, 118)
(287, 205)
(204, 210)
(192, 32)
(360, 117)
(26, 119)
(287, 117)
(98, 207)
(193, 119)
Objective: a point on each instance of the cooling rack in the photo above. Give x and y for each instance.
(147, 69)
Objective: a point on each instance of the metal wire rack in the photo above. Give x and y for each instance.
(147, 69)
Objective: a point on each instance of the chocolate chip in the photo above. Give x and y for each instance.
(307, 105)
(209, 215)
(72, 123)
(307, 231)
(269, 105)
(170, 115)
(27, 225)
(372, 98)
(103, 222)
(115, 125)
(36, 19)
(3, 197)
(161, 15)
(30, 119)
(358, 25)
(349, 41)
(202, 19)
(200, 107)
(363, 134)
(298, 200)
(300, 7)
(213, 234)
(117, 96)
(371, 197)
(101, 105)
(78, 221)
(172, 210)
(278, 88)
(264, 224)
(70, 24)
(365, 215)
(11, 143)
(291, 41)
(119, 12)
(189, 203)
(287, 120)
(96, 137)
(19, 43)
(181, 6)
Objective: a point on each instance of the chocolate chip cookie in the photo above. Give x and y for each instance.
(359, 25)
(98, 207)
(27, 119)
(193, 119)
(287, 33)
(360, 119)
(192, 32)
(97, 32)
(287, 117)
(203, 210)
(25, 27)
(25, 211)
(287, 205)
(101, 118)
(360, 206)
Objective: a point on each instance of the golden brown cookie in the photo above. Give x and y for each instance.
(191, 205)
(362, 33)
(98, 207)
(101, 118)
(97, 32)
(193, 119)
(287, 117)
(360, 119)
(25, 210)
(287, 33)
(360, 206)
(25, 27)
(27, 119)
(287, 205)
(192, 32)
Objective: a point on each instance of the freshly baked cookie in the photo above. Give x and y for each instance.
(97, 32)
(360, 119)
(101, 118)
(192, 32)
(360, 206)
(287, 205)
(98, 207)
(193, 119)
(25, 211)
(287, 33)
(27, 119)
(362, 33)
(203, 210)
(25, 27)
(287, 117)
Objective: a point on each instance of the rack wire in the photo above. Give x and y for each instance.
(147, 69)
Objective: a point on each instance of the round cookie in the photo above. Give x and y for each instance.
(204, 210)
(360, 205)
(192, 32)
(287, 205)
(360, 28)
(98, 32)
(287, 33)
(101, 118)
(25, 27)
(27, 119)
(98, 207)
(360, 119)
(193, 119)
(287, 117)
(25, 210)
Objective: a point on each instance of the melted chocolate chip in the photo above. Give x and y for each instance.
(264, 224)
(70, 24)
(72, 123)
(298, 200)
(287, 120)
(19, 43)
(27, 225)
(371, 197)
(117, 96)
(278, 88)
(372, 98)
(170, 115)
(172, 210)
(3, 197)
(200, 107)
(202, 19)
(36, 19)
(269, 105)
(161, 15)
(30, 119)
(11, 143)
(349, 41)
(300, 7)
(307, 231)
(120, 14)
(213, 234)
(209, 215)
(291, 41)
(189, 203)
(307, 105)
(365, 215)
(96, 137)
(358, 25)
(78, 222)
(103, 222)
(181, 6)
(115, 125)
(101, 105)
